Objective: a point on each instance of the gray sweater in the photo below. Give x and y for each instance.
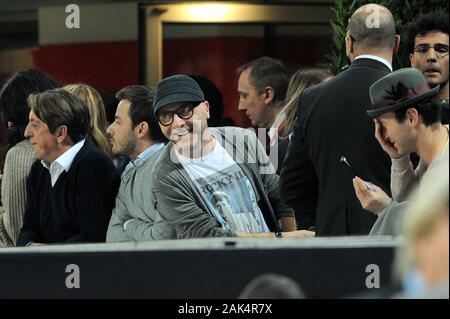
(134, 201)
(180, 203)
(17, 167)
(404, 179)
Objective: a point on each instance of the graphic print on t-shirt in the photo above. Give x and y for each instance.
(226, 190)
(232, 199)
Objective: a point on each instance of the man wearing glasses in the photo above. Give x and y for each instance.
(213, 182)
(427, 42)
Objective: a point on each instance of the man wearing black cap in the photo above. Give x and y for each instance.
(407, 118)
(213, 182)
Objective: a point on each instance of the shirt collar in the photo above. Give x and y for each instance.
(146, 154)
(66, 159)
(279, 123)
(376, 58)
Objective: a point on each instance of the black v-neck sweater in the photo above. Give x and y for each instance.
(78, 207)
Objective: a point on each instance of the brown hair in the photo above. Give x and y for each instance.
(97, 112)
(301, 80)
(58, 107)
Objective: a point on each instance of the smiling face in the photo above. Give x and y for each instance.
(45, 144)
(121, 132)
(187, 134)
(398, 135)
(434, 67)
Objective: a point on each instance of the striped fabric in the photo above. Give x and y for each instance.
(17, 166)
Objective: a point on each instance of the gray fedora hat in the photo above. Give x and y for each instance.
(175, 89)
(399, 89)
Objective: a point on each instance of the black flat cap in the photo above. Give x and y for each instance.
(176, 89)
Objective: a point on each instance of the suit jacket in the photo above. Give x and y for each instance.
(332, 123)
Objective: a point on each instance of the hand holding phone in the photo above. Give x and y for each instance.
(373, 199)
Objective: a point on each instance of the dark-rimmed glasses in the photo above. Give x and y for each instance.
(185, 112)
(441, 50)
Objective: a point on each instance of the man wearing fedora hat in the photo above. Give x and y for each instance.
(332, 124)
(407, 116)
(213, 182)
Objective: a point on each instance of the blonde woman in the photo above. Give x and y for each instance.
(97, 112)
(422, 264)
(284, 122)
(301, 80)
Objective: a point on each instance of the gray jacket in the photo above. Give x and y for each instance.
(180, 203)
(134, 202)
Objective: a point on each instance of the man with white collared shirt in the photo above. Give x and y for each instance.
(71, 190)
(63, 162)
(135, 133)
(332, 123)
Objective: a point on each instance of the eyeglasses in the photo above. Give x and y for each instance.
(441, 50)
(185, 112)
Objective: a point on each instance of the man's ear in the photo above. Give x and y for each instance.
(411, 59)
(348, 46)
(412, 116)
(142, 129)
(269, 94)
(61, 134)
(396, 44)
(206, 105)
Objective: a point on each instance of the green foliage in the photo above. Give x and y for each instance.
(342, 12)
(403, 12)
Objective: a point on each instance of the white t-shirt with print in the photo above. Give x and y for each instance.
(226, 189)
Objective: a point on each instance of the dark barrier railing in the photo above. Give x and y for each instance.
(205, 268)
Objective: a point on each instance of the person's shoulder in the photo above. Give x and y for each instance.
(224, 129)
(161, 156)
(22, 149)
(316, 91)
(148, 167)
(232, 132)
(440, 161)
(238, 136)
(92, 158)
(167, 172)
(161, 163)
(90, 152)
(322, 85)
(23, 145)
(37, 169)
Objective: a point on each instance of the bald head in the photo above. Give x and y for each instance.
(372, 27)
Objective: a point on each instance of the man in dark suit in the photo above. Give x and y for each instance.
(332, 123)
